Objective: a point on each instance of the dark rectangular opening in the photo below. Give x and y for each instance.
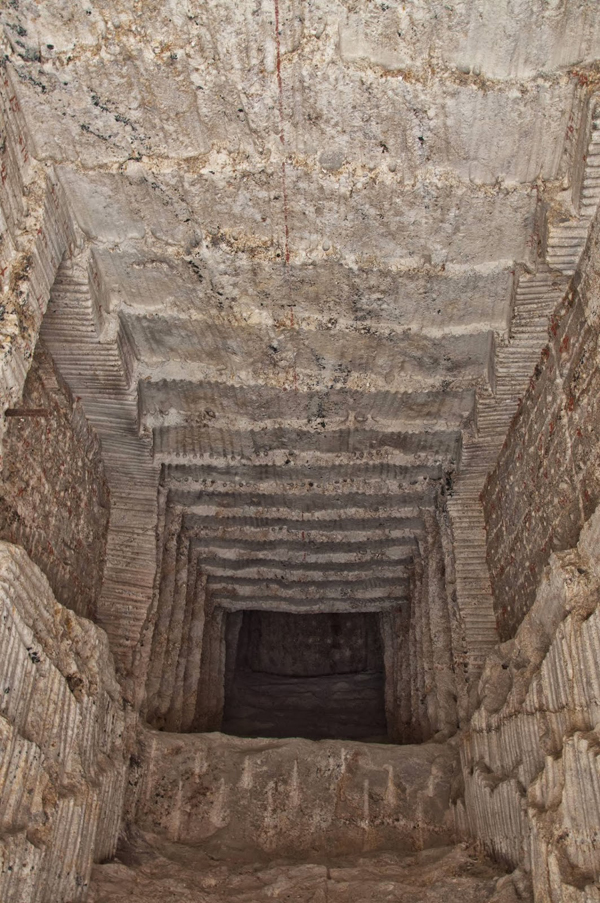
(304, 675)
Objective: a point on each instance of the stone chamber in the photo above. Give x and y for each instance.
(300, 451)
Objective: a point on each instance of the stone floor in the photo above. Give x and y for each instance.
(151, 870)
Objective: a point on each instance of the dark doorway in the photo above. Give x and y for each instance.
(295, 675)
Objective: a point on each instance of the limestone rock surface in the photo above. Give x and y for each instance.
(531, 757)
(151, 870)
(63, 759)
(54, 498)
(277, 298)
(298, 263)
(289, 797)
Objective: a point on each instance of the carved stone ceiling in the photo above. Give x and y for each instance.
(304, 225)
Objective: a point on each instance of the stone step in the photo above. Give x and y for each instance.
(153, 871)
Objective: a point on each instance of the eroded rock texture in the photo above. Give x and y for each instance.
(156, 868)
(63, 765)
(54, 497)
(546, 483)
(532, 754)
(299, 380)
(321, 278)
(292, 797)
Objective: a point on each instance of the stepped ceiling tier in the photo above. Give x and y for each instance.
(300, 389)
(309, 237)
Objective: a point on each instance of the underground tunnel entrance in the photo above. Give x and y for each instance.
(318, 676)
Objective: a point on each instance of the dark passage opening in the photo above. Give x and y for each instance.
(295, 675)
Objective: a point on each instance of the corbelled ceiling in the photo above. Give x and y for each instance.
(317, 245)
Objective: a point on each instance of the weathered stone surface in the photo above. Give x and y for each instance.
(63, 744)
(150, 868)
(547, 479)
(267, 278)
(531, 755)
(54, 499)
(290, 797)
(301, 263)
(99, 369)
(424, 646)
(36, 232)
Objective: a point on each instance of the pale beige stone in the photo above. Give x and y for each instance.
(323, 279)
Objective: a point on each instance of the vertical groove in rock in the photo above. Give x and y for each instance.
(98, 370)
(531, 758)
(62, 724)
(344, 458)
(36, 236)
(536, 299)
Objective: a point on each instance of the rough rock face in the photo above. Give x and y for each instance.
(36, 232)
(296, 263)
(531, 757)
(293, 797)
(152, 869)
(546, 483)
(63, 764)
(425, 652)
(53, 496)
(286, 308)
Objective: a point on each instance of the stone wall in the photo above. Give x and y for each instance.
(424, 645)
(531, 758)
(290, 797)
(547, 479)
(63, 758)
(176, 641)
(54, 498)
(531, 752)
(35, 230)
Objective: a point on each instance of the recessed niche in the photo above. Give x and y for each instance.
(304, 675)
